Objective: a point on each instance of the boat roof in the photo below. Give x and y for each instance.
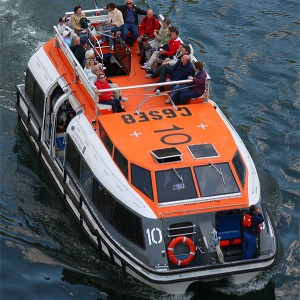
(158, 127)
(151, 133)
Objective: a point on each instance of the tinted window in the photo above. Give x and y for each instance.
(106, 140)
(121, 161)
(216, 179)
(29, 85)
(239, 167)
(34, 93)
(72, 156)
(141, 179)
(39, 100)
(175, 184)
(128, 224)
(121, 218)
(86, 177)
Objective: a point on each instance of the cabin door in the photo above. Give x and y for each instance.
(60, 117)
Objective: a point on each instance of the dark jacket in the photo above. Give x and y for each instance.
(256, 220)
(199, 82)
(80, 54)
(181, 72)
(136, 12)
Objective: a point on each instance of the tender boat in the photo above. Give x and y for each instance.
(160, 189)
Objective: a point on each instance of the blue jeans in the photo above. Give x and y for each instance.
(115, 103)
(185, 95)
(129, 27)
(107, 31)
(249, 246)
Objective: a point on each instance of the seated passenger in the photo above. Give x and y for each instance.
(196, 89)
(148, 26)
(167, 66)
(115, 19)
(62, 24)
(75, 20)
(130, 16)
(80, 50)
(75, 41)
(92, 76)
(161, 37)
(107, 97)
(166, 51)
(67, 34)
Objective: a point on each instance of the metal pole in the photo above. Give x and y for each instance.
(147, 85)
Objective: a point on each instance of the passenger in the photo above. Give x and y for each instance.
(89, 63)
(251, 231)
(107, 97)
(75, 41)
(161, 37)
(182, 70)
(116, 22)
(130, 15)
(168, 67)
(67, 34)
(95, 71)
(148, 26)
(171, 61)
(167, 51)
(197, 89)
(80, 50)
(62, 24)
(90, 54)
(75, 20)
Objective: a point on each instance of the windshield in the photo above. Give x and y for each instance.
(216, 179)
(175, 184)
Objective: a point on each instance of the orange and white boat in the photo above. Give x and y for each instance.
(161, 190)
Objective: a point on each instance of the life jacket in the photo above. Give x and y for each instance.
(247, 222)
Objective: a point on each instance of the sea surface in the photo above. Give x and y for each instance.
(251, 51)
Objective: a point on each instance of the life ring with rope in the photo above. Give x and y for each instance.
(171, 247)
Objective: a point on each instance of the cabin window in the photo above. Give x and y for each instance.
(121, 218)
(216, 179)
(72, 156)
(175, 184)
(86, 177)
(128, 224)
(121, 161)
(34, 93)
(141, 179)
(106, 140)
(239, 167)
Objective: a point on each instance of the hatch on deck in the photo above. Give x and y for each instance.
(203, 151)
(167, 155)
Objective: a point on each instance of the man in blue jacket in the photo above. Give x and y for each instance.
(196, 89)
(182, 70)
(251, 230)
(131, 21)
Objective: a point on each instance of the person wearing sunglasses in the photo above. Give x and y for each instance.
(131, 21)
(107, 97)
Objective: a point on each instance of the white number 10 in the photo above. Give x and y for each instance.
(152, 237)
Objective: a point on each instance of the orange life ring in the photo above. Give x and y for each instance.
(170, 252)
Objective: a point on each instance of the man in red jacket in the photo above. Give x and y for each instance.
(147, 27)
(167, 51)
(107, 97)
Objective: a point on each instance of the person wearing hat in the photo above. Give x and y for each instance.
(62, 24)
(251, 224)
(80, 50)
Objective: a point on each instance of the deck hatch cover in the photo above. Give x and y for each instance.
(200, 151)
(166, 155)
